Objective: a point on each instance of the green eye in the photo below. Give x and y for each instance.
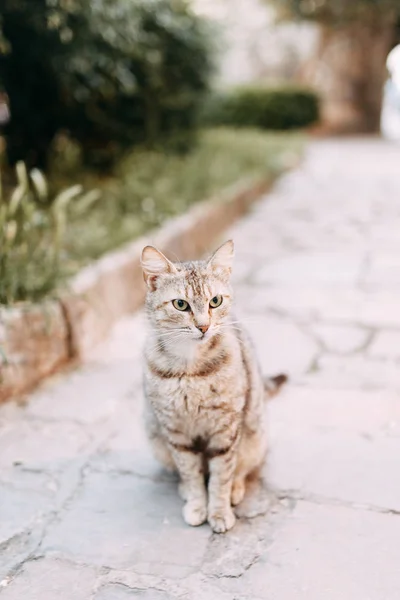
(216, 301)
(180, 304)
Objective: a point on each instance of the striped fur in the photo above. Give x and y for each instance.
(204, 391)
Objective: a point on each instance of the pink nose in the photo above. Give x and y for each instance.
(203, 328)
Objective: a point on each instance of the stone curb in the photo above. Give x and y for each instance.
(33, 344)
(35, 340)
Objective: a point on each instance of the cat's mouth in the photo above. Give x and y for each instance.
(205, 337)
(201, 337)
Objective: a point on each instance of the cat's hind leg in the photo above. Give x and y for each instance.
(251, 454)
(162, 453)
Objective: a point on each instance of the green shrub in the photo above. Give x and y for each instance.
(32, 231)
(134, 200)
(43, 240)
(263, 107)
(112, 74)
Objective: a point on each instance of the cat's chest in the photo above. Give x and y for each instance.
(216, 381)
(188, 394)
(195, 399)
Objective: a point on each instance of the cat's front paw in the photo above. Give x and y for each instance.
(194, 513)
(182, 491)
(221, 521)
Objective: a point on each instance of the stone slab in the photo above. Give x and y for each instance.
(385, 345)
(328, 552)
(123, 521)
(338, 444)
(46, 579)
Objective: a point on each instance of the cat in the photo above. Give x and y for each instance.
(204, 393)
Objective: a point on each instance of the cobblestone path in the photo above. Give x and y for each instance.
(85, 512)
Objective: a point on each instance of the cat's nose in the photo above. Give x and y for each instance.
(203, 328)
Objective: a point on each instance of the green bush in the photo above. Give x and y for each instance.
(134, 200)
(112, 74)
(263, 107)
(45, 239)
(32, 231)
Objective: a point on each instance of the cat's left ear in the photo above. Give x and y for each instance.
(222, 258)
(154, 264)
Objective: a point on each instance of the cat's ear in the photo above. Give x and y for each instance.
(154, 264)
(223, 257)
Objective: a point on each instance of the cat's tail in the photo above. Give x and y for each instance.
(272, 385)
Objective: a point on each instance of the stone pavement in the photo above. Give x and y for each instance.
(85, 512)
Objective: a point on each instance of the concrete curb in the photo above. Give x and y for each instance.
(33, 344)
(35, 340)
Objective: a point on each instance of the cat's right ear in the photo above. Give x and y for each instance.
(154, 264)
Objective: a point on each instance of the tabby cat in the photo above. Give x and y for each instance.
(203, 388)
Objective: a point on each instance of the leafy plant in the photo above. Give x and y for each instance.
(134, 200)
(281, 108)
(113, 74)
(44, 239)
(32, 232)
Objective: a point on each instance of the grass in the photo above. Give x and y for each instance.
(145, 189)
(32, 228)
(149, 187)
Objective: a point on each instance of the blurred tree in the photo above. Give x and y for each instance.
(349, 69)
(111, 72)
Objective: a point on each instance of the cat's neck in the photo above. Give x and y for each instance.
(187, 356)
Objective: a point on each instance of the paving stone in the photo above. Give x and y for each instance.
(125, 584)
(328, 552)
(338, 444)
(128, 450)
(118, 591)
(40, 445)
(313, 269)
(18, 516)
(307, 303)
(281, 346)
(386, 345)
(88, 395)
(384, 271)
(380, 309)
(46, 579)
(18, 544)
(127, 522)
(385, 236)
(342, 339)
(230, 556)
(356, 371)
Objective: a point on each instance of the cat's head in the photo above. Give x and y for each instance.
(188, 300)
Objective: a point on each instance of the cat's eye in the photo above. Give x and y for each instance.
(216, 301)
(180, 304)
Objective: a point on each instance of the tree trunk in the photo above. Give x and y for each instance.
(349, 71)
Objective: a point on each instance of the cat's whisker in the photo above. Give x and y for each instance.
(168, 333)
(247, 320)
(232, 327)
(229, 326)
(180, 335)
